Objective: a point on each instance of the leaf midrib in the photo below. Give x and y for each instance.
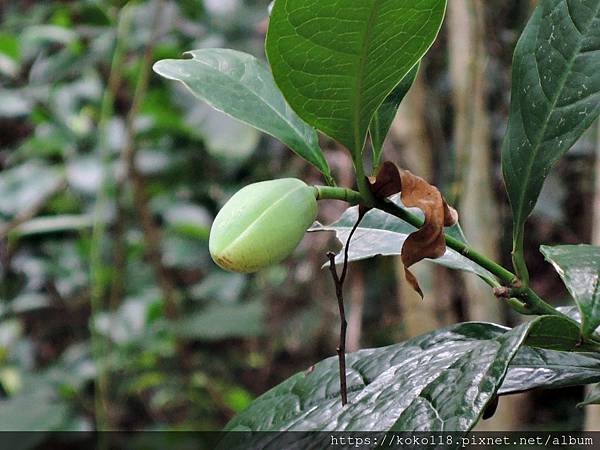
(562, 83)
(552, 366)
(360, 79)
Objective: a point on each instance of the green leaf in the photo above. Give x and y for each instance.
(384, 116)
(579, 268)
(592, 397)
(555, 333)
(536, 368)
(337, 60)
(573, 313)
(555, 96)
(240, 86)
(401, 387)
(381, 234)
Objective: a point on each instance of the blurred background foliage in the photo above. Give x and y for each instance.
(112, 314)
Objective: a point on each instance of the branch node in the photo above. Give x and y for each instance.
(502, 292)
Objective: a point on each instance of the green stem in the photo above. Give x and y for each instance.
(518, 256)
(532, 301)
(337, 193)
(362, 183)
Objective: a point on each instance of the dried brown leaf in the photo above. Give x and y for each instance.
(387, 182)
(429, 240)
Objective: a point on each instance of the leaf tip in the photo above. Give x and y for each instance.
(412, 280)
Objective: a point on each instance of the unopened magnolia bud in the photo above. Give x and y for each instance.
(262, 224)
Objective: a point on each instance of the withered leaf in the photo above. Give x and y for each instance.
(387, 182)
(429, 240)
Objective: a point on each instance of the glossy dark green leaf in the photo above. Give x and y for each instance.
(404, 386)
(337, 60)
(555, 333)
(537, 368)
(555, 96)
(381, 234)
(579, 268)
(240, 86)
(592, 397)
(548, 359)
(573, 313)
(384, 116)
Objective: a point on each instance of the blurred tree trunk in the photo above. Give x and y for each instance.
(479, 212)
(592, 413)
(477, 204)
(409, 131)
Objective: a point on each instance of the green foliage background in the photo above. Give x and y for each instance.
(129, 361)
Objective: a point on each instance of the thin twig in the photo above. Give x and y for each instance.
(341, 349)
(339, 292)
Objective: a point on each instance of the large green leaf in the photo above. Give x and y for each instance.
(579, 268)
(240, 86)
(555, 96)
(401, 387)
(551, 358)
(337, 60)
(382, 234)
(384, 116)
(536, 368)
